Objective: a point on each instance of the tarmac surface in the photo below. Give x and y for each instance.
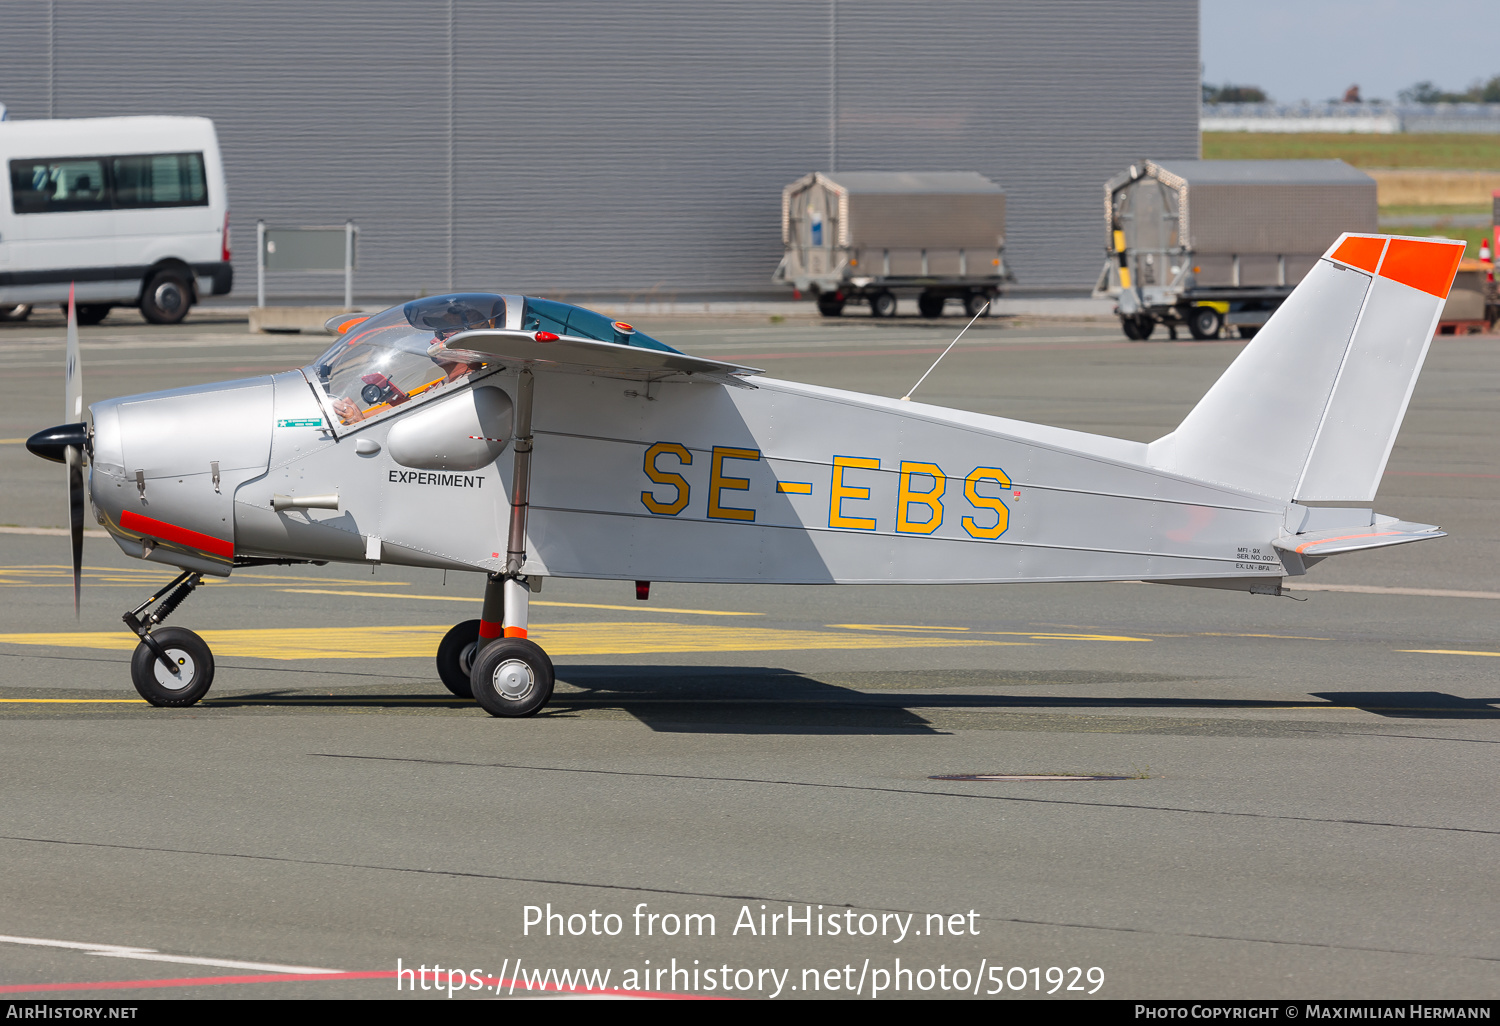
(1301, 803)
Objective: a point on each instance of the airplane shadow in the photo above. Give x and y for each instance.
(769, 699)
(1427, 705)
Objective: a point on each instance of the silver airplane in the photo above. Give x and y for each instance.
(631, 461)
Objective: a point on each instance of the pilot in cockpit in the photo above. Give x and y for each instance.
(387, 364)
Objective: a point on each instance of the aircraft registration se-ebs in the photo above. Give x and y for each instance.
(628, 460)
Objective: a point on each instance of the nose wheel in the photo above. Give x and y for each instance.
(172, 666)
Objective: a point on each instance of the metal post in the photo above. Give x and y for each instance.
(516, 592)
(260, 263)
(348, 265)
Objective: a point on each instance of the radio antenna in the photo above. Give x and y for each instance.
(907, 397)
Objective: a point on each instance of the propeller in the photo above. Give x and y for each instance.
(68, 444)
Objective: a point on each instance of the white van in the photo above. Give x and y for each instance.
(131, 211)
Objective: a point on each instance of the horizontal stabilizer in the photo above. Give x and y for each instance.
(1383, 532)
(582, 355)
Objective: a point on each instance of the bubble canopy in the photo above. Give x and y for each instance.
(383, 362)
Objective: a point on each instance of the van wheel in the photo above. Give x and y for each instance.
(91, 313)
(15, 313)
(167, 298)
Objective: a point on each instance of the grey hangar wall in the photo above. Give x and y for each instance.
(617, 147)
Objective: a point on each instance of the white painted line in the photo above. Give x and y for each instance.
(61, 532)
(1369, 589)
(224, 962)
(152, 955)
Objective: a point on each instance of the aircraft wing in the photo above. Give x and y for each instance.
(542, 350)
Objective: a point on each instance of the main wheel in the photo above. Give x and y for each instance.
(455, 657)
(830, 304)
(1204, 322)
(883, 304)
(194, 668)
(512, 677)
(167, 298)
(975, 302)
(929, 305)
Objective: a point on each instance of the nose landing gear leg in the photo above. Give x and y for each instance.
(171, 666)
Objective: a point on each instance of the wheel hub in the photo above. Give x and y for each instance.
(186, 670)
(168, 297)
(514, 680)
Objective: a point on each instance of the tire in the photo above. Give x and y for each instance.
(975, 302)
(512, 677)
(929, 305)
(883, 304)
(1247, 330)
(830, 304)
(167, 298)
(455, 657)
(1145, 326)
(1204, 322)
(90, 313)
(15, 313)
(191, 654)
(1131, 330)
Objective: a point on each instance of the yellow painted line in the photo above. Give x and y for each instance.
(535, 602)
(794, 487)
(571, 639)
(1035, 635)
(1446, 651)
(75, 701)
(11, 441)
(891, 627)
(1227, 634)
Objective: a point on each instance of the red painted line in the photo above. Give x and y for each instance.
(133, 521)
(515, 632)
(215, 981)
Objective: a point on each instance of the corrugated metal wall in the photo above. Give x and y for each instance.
(578, 146)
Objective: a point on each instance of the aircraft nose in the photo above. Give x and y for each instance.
(53, 443)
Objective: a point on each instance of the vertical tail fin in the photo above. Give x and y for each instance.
(1310, 409)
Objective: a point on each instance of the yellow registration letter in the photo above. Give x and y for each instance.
(666, 477)
(932, 499)
(971, 492)
(843, 491)
(717, 482)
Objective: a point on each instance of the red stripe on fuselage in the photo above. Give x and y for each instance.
(132, 521)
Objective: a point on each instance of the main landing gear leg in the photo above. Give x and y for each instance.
(171, 666)
(513, 676)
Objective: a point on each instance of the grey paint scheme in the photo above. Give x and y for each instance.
(1085, 512)
(618, 146)
(463, 432)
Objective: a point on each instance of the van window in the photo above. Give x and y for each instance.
(159, 180)
(44, 185)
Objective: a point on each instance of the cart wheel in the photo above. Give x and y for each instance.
(1247, 330)
(883, 304)
(1204, 322)
(929, 305)
(830, 304)
(1145, 326)
(1128, 326)
(975, 302)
